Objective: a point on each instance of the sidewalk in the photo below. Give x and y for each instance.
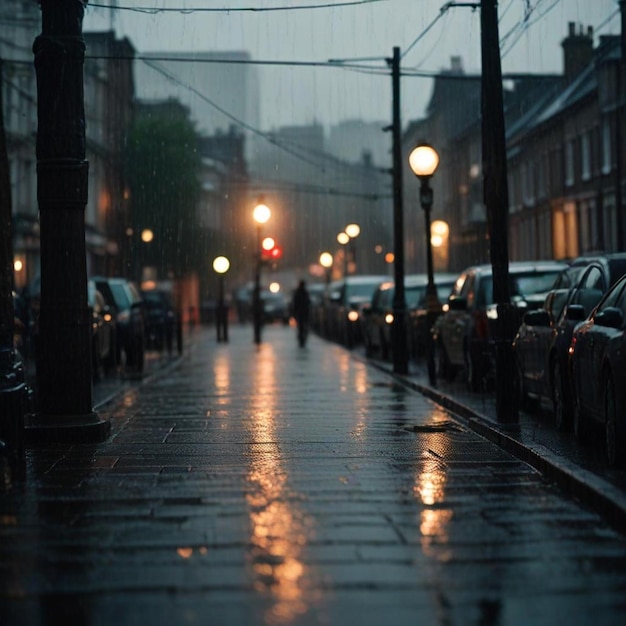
(272, 484)
(580, 471)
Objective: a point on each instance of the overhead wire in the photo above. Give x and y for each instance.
(187, 10)
(295, 151)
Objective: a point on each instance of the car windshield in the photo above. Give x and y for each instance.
(522, 285)
(120, 295)
(415, 296)
(361, 290)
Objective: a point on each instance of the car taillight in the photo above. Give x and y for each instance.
(481, 324)
(572, 346)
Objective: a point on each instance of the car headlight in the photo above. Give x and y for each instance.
(353, 316)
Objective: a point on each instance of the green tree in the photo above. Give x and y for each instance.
(163, 167)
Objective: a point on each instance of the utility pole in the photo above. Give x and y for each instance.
(65, 410)
(13, 389)
(398, 327)
(619, 165)
(496, 197)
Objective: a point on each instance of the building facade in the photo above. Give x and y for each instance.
(565, 158)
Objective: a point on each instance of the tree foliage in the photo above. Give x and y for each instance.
(162, 168)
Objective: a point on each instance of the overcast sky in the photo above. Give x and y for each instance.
(530, 30)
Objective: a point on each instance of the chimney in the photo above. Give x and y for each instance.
(456, 65)
(577, 50)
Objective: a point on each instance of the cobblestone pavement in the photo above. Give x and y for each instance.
(277, 485)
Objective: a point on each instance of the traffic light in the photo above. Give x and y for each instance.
(270, 250)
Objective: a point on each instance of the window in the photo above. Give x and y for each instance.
(541, 176)
(606, 146)
(569, 163)
(585, 156)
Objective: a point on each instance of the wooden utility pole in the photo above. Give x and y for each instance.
(65, 408)
(496, 197)
(398, 328)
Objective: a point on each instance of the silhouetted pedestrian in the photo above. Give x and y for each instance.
(301, 304)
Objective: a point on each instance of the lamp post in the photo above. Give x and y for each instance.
(353, 231)
(221, 265)
(261, 215)
(326, 261)
(147, 237)
(424, 161)
(343, 238)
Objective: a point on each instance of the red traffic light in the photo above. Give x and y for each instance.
(270, 250)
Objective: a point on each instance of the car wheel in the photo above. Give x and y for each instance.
(473, 371)
(558, 398)
(140, 352)
(384, 348)
(613, 444)
(96, 363)
(110, 361)
(579, 422)
(444, 368)
(524, 401)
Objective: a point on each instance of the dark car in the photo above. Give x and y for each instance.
(463, 333)
(125, 300)
(377, 317)
(103, 335)
(161, 319)
(275, 307)
(418, 321)
(598, 365)
(342, 311)
(543, 339)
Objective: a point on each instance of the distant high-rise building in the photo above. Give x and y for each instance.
(350, 140)
(218, 94)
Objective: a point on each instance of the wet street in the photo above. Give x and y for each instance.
(286, 485)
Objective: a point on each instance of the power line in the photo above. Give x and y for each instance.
(267, 136)
(184, 11)
(193, 59)
(442, 11)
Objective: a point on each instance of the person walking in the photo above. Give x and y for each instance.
(301, 304)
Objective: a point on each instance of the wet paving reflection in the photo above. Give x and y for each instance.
(280, 531)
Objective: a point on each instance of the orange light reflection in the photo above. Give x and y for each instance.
(279, 530)
(429, 489)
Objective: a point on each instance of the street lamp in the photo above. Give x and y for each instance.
(353, 231)
(261, 215)
(424, 160)
(343, 238)
(326, 261)
(221, 265)
(147, 273)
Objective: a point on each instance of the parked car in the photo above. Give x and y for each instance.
(598, 365)
(418, 320)
(103, 335)
(543, 339)
(161, 319)
(463, 334)
(125, 300)
(275, 307)
(377, 317)
(343, 307)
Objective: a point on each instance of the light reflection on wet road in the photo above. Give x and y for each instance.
(279, 485)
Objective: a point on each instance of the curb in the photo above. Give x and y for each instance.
(579, 483)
